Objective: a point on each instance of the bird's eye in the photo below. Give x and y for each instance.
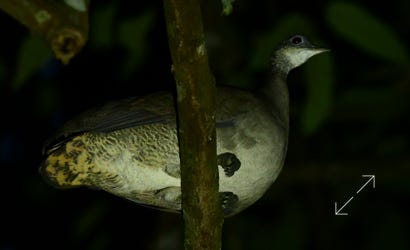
(296, 40)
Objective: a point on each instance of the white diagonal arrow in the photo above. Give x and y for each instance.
(337, 211)
(372, 178)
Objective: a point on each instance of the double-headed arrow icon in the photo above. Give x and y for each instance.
(371, 178)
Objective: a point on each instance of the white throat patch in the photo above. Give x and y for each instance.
(297, 56)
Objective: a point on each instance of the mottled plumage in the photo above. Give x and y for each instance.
(130, 148)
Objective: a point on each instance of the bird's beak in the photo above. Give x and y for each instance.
(321, 50)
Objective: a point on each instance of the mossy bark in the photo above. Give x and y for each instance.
(63, 27)
(196, 125)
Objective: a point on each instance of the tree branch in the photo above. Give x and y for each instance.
(196, 118)
(62, 26)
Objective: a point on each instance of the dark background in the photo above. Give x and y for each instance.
(349, 117)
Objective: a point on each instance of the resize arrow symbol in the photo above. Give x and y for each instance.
(337, 212)
(371, 178)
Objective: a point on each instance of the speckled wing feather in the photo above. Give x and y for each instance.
(102, 132)
(135, 133)
(138, 111)
(130, 112)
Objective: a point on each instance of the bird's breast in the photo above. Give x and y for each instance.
(259, 143)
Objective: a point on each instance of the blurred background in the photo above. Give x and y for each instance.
(349, 117)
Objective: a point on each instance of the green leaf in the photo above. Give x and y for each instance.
(78, 5)
(366, 31)
(290, 25)
(227, 7)
(133, 35)
(373, 104)
(102, 23)
(32, 55)
(319, 100)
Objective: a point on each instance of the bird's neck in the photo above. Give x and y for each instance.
(276, 94)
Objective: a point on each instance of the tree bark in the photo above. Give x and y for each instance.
(196, 90)
(62, 26)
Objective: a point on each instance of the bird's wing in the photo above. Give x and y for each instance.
(131, 112)
(138, 111)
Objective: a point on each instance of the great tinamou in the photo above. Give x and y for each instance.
(130, 148)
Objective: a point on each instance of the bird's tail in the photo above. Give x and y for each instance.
(68, 164)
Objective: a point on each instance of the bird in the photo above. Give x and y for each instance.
(129, 147)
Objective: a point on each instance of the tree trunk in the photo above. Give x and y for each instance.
(195, 85)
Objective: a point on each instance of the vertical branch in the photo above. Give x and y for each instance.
(196, 117)
(64, 27)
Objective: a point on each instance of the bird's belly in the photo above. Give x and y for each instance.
(137, 176)
(261, 163)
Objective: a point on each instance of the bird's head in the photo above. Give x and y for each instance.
(294, 52)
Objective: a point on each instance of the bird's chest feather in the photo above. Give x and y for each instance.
(260, 146)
